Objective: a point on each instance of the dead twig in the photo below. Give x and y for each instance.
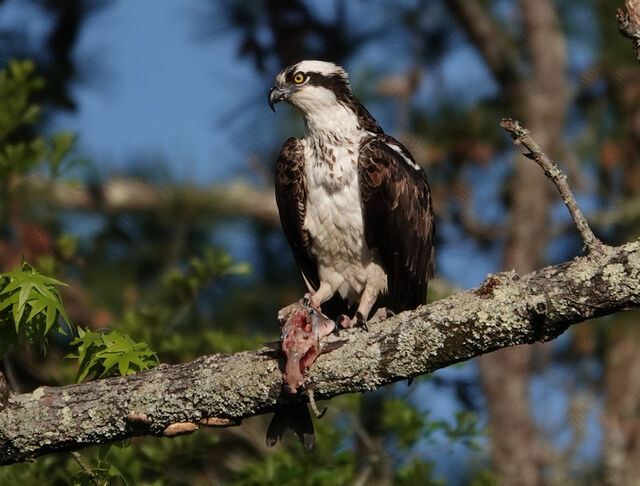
(521, 136)
(85, 469)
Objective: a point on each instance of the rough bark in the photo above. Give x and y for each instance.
(506, 310)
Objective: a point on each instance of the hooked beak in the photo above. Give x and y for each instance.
(277, 94)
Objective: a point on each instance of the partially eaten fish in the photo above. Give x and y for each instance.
(303, 328)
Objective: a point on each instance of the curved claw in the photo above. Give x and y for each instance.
(361, 321)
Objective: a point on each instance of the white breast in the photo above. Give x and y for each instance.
(334, 216)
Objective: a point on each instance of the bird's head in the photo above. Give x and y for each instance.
(311, 85)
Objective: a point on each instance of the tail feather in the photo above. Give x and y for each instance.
(295, 417)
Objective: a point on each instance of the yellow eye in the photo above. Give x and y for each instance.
(298, 78)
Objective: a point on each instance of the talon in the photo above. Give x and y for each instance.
(361, 321)
(307, 301)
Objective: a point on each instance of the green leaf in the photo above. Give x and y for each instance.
(123, 365)
(25, 292)
(37, 305)
(32, 302)
(103, 450)
(110, 353)
(12, 299)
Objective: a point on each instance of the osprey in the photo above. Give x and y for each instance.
(354, 205)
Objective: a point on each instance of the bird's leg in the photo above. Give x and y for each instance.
(320, 296)
(367, 299)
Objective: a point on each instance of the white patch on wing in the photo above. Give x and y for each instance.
(397, 149)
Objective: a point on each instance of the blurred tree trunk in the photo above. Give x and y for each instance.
(375, 467)
(621, 446)
(541, 97)
(515, 452)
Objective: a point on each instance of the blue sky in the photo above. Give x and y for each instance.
(153, 90)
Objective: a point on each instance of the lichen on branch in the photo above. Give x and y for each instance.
(506, 310)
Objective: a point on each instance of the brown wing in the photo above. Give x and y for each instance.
(398, 219)
(291, 196)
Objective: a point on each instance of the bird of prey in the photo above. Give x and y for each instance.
(354, 205)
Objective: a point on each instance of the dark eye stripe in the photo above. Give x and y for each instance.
(334, 82)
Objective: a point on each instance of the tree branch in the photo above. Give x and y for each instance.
(506, 310)
(521, 136)
(122, 195)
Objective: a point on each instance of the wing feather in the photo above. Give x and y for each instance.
(398, 219)
(291, 196)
